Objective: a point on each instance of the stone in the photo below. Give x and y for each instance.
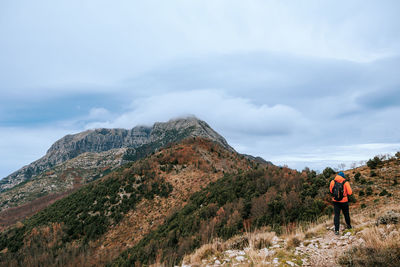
(240, 258)
(290, 263)
(217, 262)
(390, 217)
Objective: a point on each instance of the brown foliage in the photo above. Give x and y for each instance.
(13, 215)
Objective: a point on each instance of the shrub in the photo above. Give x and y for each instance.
(357, 177)
(383, 193)
(361, 193)
(328, 172)
(352, 199)
(373, 163)
(363, 205)
(372, 174)
(363, 181)
(368, 191)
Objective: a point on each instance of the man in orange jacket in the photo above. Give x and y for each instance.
(340, 188)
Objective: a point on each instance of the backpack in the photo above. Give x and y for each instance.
(338, 190)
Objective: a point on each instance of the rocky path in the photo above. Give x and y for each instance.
(321, 250)
(318, 246)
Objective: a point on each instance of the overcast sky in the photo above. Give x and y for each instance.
(302, 83)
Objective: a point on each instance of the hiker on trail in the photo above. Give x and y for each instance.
(340, 189)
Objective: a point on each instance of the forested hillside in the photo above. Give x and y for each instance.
(264, 196)
(117, 210)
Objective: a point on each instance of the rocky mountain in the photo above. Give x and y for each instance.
(140, 140)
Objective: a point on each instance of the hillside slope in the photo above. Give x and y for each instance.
(99, 140)
(373, 241)
(92, 223)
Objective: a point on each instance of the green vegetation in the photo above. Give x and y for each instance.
(273, 196)
(171, 136)
(357, 177)
(383, 193)
(86, 214)
(373, 163)
(368, 191)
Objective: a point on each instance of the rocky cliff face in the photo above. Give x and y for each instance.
(99, 140)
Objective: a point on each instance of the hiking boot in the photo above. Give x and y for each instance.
(349, 227)
(336, 232)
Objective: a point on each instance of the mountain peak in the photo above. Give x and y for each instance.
(103, 139)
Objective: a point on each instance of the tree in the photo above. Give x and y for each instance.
(373, 163)
(328, 172)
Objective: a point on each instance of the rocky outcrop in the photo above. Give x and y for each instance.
(99, 140)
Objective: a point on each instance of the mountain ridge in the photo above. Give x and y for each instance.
(100, 140)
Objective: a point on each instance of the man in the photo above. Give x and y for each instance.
(340, 189)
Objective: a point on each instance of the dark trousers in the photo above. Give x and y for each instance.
(337, 207)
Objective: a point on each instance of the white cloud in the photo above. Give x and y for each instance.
(228, 114)
(99, 114)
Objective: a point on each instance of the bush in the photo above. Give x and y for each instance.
(372, 174)
(328, 172)
(373, 163)
(357, 177)
(363, 181)
(361, 193)
(383, 193)
(363, 205)
(352, 199)
(369, 191)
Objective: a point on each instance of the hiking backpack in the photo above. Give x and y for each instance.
(338, 190)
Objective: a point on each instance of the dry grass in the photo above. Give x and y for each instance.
(318, 228)
(381, 247)
(294, 240)
(204, 252)
(260, 239)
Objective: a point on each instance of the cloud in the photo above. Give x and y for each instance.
(230, 114)
(42, 47)
(382, 98)
(268, 75)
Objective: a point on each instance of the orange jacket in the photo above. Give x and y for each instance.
(346, 188)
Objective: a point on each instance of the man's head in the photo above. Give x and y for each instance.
(341, 174)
